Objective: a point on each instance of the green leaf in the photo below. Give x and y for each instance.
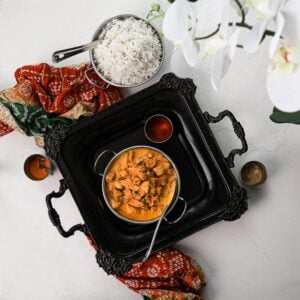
(283, 117)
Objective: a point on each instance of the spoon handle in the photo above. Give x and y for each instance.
(60, 55)
(154, 235)
(42, 166)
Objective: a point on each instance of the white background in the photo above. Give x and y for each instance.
(256, 257)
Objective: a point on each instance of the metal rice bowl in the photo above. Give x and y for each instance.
(101, 32)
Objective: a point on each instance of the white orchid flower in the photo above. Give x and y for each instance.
(267, 11)
(222, 47)
(284, 77)
(286, 58)
(213, 44)
(179, 26)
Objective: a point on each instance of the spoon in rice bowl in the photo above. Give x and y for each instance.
(61, 55)
(134, 64)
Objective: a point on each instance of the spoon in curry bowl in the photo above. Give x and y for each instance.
(155, 234)
(163, 216)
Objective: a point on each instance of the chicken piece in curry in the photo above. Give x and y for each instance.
(140, 183)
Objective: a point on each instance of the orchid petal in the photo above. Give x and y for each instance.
(209, 14)
(280, 22)
(233, 40)
(254, 37)
(291, 30)
(224, 21)
(190, 51)
(261, 6)
(234, 21)
(220, 66)
(175, 24)
(193, 18)
(287, 68)
(277, 5)
(274, 6)
(283, 3)
(211, 46)
(283, 90)
(294, 57)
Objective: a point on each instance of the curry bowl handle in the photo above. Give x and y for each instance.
(181, 215)
(104, 163)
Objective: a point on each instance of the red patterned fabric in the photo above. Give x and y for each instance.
(167, 275)
(59, 89)
(4, 129)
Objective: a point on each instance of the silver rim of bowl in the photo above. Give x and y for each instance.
(98, 32)
(172, 202)
(147, 135)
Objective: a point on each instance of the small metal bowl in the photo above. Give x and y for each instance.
(39, 162)
(100, 32)
(152, 128)
(253, 174)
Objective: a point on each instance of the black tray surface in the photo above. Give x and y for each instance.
(208, 184)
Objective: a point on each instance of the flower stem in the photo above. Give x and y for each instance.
(245, 25)
(239, 24)
(155, 17)
(209, 35)
(240, 6)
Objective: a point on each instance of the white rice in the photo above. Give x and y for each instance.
(129, 52)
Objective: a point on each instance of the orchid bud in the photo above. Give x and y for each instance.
(155, 7)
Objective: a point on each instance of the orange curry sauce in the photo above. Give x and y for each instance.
(140, 183)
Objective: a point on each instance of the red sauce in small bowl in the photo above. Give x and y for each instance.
(36, 167)
(158, 129)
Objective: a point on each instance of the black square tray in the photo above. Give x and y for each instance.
(208, 185)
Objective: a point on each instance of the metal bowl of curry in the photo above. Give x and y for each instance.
(139, 184)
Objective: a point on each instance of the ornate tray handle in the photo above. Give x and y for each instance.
(111, 264)
(54, 216)
(238, 129)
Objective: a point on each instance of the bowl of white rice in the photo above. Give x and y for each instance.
(130, 51)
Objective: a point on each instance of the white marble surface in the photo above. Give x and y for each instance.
(256, 257)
